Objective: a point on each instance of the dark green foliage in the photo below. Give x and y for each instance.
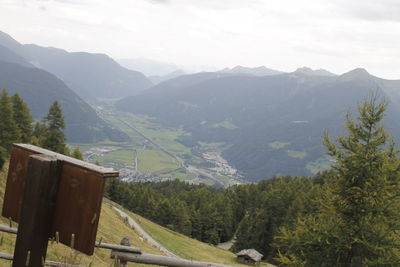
(3, 156)
(358, 215)
(253, 212)
(15, 123)
(39, 132)
(22, 118)
(54, 138)
(76, 153)
(281, 201)
(201, 212)
(9, 132)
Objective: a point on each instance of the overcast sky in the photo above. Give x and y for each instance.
(338, 35)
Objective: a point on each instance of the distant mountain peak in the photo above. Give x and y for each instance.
(356, 74)
(359, 71)
(317, 72)
(256, 71)
(7, 41)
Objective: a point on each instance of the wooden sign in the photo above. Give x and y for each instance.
(79, 196)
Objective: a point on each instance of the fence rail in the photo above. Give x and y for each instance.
(10, 257)
(125, 253)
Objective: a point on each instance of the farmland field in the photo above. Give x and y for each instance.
(153, 149)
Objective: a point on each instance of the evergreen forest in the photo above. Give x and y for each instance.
(348, 216)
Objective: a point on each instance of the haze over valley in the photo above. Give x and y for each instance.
(226, 133)
(230, 126)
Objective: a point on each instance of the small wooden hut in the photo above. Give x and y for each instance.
(249, 256)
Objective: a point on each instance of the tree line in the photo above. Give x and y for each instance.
(18, 126)
(348, 216)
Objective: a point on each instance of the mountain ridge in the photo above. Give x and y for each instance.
(39, 89)
(291, 109)
(90, 75)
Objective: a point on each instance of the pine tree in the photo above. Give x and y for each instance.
(9, 132)
(22, 118)
(39, 133)
(359, 215)
(76, 153)
(54, 138)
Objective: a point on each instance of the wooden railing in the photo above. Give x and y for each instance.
(123, 254)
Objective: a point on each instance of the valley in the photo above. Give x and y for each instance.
(154, 154)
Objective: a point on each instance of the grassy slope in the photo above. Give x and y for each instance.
(186, 247)
(111, 230)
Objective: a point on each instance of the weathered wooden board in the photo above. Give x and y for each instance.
(16, 180)
(78, 207)
(79, 197)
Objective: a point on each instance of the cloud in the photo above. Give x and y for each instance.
(160, 1)
(333, 34)
(371, 10)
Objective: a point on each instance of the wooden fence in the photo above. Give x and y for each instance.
(123, 254)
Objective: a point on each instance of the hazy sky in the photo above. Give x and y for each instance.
(337, 35)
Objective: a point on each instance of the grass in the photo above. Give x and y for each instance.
(111, 230)
(296, 154)
(151, 157)
(186, 247)
(155, 161)
(118, 157)
(278, 144)
(181, 175)
(225, 124)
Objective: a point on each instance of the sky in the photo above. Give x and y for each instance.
(337, 35)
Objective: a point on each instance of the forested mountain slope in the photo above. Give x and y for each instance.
(90, 75)
(272, 125)
(39, 89)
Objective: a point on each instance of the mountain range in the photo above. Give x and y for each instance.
(92, 76)
(270, 122)
(257, 71)
(40, 88)
(271, 125)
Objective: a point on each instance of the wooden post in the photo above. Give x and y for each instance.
(126, 241)
(37, 211)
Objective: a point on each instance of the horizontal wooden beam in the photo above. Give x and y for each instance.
(7, 229)
(162, 260)
(120, 248)
(6, 256)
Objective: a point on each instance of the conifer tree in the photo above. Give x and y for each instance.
(22, 118)
(54, 138)
(39, 133)
(358, 219)
(76, 153)
(9, 132)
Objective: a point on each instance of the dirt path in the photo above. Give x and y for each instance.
(226, 245)
(138, 229)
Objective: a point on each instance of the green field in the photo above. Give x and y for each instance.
(319, 165)
(225, 124)
(296, 154)
(278, 144)
(157, 148)
(116, 158)
(156, 161)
